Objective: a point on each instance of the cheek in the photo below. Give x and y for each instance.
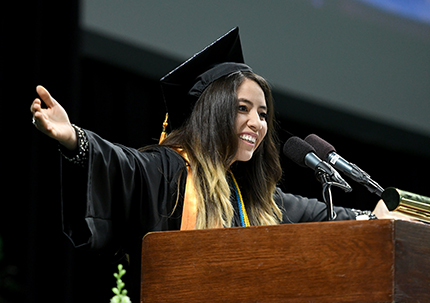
(264, 130)
(263, 133)
(240, 122)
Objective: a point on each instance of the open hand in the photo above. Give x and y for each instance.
(381, 211)
(53, 120)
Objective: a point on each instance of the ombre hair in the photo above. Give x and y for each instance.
(210, 141)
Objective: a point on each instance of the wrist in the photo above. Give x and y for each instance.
(79, 155)
(364, 214)
(71, 143)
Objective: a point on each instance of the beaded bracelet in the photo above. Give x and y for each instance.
(364, 214)
(81, 156)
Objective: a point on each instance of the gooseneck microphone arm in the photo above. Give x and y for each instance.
(358, 175)
(327, 152)
(304, 155)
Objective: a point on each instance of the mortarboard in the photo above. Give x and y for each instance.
(183, 86)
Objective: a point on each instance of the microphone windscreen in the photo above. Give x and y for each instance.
(296, 149)
(322, 147)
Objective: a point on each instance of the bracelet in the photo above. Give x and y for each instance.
(364, 214)
(81, 156)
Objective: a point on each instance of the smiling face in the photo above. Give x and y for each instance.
(251, 125)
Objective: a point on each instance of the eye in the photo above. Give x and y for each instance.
(242, 108)
(263, 115)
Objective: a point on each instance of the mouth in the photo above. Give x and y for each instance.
(251, 140)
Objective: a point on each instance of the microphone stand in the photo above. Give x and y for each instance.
(325, 179)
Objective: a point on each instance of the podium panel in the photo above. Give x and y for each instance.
(345, 261)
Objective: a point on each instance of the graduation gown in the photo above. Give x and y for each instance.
(122, 194)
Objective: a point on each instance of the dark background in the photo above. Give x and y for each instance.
(40, 44)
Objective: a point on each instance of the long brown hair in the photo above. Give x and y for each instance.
(210, 141)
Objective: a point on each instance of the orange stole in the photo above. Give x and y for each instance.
(189, 210)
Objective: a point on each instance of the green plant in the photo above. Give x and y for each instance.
(119, 291)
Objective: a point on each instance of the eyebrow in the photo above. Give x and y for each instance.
(250, 102)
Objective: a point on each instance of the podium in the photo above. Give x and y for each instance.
(345, 261)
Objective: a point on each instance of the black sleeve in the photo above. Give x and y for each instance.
(297, 209)
(121, 194)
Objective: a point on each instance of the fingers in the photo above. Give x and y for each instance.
(35, 109)
(36, 105)
(45, 96)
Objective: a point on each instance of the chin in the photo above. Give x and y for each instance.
(244, 157)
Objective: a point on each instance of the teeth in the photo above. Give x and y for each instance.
(248, 138)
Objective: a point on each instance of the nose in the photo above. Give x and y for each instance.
(254, 121)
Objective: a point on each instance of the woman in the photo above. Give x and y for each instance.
(229, 139)
(219, 169)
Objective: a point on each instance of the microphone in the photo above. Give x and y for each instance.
(302, 153)
(326, 151)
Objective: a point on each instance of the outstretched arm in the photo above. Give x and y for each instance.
(53, 120)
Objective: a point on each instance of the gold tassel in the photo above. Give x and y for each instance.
(163, 133)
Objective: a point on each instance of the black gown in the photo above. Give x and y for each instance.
(122, 194)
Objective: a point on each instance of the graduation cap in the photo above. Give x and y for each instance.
(183, 86)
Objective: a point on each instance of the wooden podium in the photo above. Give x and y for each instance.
(347, 261)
